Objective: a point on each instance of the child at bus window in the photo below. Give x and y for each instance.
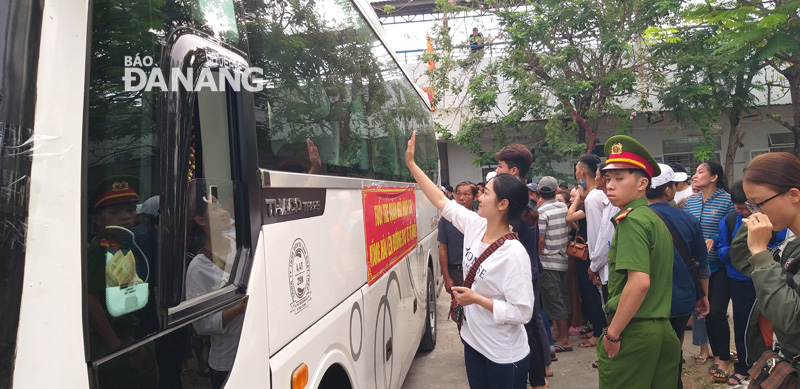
(113, 203)
(211, 227)
(500, 300)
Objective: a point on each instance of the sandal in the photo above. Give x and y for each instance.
(561, 349)
(700, 360)
(720, 375)
(736, 379)
(587, 335)
(596, 364)
(711, 369)
(587, 344)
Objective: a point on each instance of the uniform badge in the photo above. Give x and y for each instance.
(622, 215)
(120, 185)
(616, 148)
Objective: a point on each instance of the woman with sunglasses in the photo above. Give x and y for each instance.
(500, 300)
(710, 206)
(772, 185)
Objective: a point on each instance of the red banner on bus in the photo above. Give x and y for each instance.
(390, 227)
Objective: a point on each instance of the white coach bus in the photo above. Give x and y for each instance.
(212, 181)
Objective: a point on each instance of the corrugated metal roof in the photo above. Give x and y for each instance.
(403, 7)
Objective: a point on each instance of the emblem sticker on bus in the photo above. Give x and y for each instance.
(282, 204)
(299, 276)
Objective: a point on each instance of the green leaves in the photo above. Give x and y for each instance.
(779, 43)
(772, 21)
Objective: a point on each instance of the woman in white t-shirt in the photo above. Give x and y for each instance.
(500, 301)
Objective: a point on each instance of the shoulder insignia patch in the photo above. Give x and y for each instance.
(622, 215)
(105, 243)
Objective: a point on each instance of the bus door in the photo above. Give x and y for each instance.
(191, 178)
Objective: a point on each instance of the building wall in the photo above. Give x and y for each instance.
(651, 136)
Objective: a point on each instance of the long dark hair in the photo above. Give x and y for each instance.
(715, 169)
(511, 188)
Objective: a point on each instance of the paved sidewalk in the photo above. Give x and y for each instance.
(444, 367)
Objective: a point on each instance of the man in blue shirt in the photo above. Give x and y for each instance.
(687, 229)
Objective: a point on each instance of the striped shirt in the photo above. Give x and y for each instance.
(555, 229)
(709, 213)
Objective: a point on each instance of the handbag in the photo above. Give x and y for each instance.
(456, 310)
(578, 248)
(772, 371)
(128, 293)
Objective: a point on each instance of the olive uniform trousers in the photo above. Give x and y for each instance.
(649, 356)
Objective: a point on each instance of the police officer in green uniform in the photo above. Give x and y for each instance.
(639, 349)
(113, 204)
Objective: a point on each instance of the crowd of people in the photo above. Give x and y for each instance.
(628, 260)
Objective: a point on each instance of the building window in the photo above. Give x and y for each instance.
(682, 150)
(778, 142)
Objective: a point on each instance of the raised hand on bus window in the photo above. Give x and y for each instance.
(429, 188)
(313, 157)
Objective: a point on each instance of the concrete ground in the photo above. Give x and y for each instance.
(444, 367)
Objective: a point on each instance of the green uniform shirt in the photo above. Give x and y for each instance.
(642, 243)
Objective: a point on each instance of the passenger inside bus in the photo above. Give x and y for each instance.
(293, 157)
(112, 268)
(213, 242)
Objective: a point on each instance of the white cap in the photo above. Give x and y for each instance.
(667, 175)
(681, 177)
(490, 175)
(149, 206)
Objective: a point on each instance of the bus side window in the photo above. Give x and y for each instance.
(211, 199)
(328, 90)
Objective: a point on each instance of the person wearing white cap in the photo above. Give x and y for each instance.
(687, 240)
(682, 189)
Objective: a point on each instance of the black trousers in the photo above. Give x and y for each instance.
(536, 371)
(218, 378)
(590, 298)
(679, 325)
(170, 350)
(717, 327)
(743, 296)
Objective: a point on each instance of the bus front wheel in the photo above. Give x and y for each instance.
(429, 338)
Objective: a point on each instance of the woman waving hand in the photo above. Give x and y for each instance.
(500, 300)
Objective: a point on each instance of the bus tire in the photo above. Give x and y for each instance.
(428, 342)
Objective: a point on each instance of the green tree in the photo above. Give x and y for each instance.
(704, 82)
(772, 27)
(573, 63)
